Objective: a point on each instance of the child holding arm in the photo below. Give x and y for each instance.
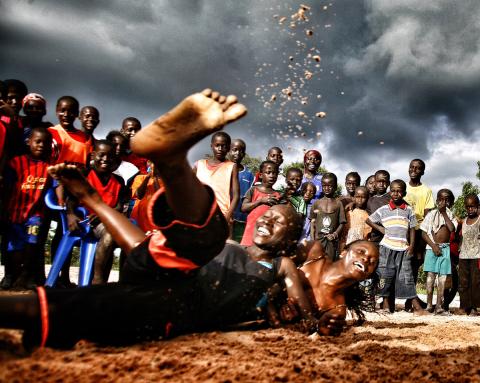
(436, 231)
(259, 198)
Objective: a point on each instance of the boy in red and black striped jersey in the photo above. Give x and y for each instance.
(26, 182)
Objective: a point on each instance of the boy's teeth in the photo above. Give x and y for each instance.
(262, 230)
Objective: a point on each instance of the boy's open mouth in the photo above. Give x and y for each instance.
(359, 266)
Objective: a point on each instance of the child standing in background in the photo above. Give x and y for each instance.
(352, 181)
(245, 182)
(130, 127)
(311, 165)
(69, 144)
(468, 264)
(394, 270)
(221, 175)
(292, 194)
(328, 217)
(27, 181)
(356, 227)
(259, 199)
(437, 228)
(308, 191)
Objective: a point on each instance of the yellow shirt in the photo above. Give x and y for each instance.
(419, 198)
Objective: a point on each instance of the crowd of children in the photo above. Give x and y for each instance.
(410, 229)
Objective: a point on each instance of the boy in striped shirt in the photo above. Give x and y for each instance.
(27, 180)
(394, 270)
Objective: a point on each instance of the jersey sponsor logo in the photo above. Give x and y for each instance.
(32, 182)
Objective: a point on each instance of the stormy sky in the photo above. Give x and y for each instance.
(396, 79)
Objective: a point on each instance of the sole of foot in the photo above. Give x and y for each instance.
(194, 118)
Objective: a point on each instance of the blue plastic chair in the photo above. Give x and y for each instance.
(82, 238)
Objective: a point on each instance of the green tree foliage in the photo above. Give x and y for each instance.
(253, 163)
(467, 188)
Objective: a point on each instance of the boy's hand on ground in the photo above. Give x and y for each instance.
(288, 312)
(331, 323)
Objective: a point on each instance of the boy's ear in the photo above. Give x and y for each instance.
(343, 253)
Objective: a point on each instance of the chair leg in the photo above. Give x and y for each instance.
(87, 258)
(63, 251)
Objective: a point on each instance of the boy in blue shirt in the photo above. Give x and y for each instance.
(245, 181)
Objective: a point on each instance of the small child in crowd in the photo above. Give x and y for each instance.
(221, 175)
(437, 228)
(398, 227)
(381, 198)
(16, 91)
(69, 144)
(468, 264)
(308, 191)
(130, 127)
(292, 194)
(352, 181)
(245, 181)
(311, 165)
(370, 185)
(328, 217)
(27, 181)
(356, 227)
(259, 198)
(34, 109)
(122, 168)
(89, 118)
(112, 190)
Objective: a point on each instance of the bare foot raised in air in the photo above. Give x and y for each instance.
(171, 135)
(73, 180)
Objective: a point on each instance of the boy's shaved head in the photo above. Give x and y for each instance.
(448, 192)
(239, 142)
(383, 173)
(294, 170)
(223, 135)
(265, 163)
(131, 119)
(421, 162)
(354, 175)
(91, 108)
(400, 183)
(472, 197)
(70, 99)
(18, 85)
(104, 142)
(330, 176)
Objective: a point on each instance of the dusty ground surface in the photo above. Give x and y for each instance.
(391, 348)
(387, 348)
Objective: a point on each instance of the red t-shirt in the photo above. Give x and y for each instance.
(30, 183)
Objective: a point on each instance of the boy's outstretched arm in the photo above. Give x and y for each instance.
(125, 233)
(288, 271)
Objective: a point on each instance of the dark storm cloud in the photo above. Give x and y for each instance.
(389, 71)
